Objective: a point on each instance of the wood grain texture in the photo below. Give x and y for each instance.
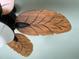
(43, 22)
(23, 45)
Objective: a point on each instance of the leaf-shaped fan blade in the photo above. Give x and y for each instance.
(43, 22)
(22, 45)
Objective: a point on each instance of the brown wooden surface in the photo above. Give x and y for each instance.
(23, 46)
(43, 22)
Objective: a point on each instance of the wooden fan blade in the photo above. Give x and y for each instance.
(43, 22)
(23, 45)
